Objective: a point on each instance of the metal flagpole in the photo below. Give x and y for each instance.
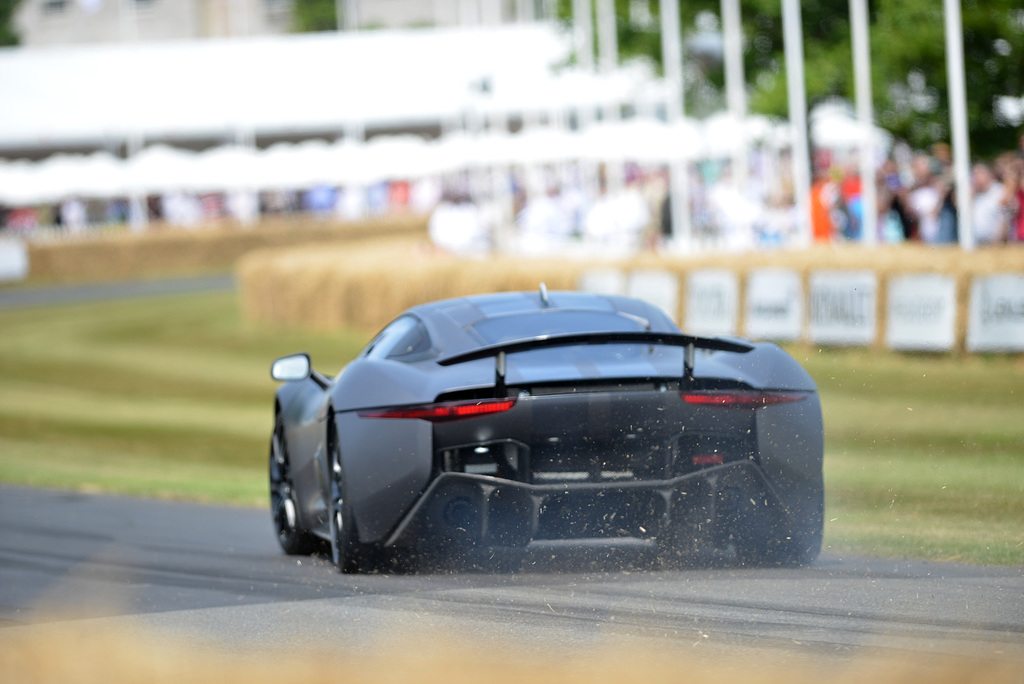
(525, 11)
(958, 122)
(583, 30)
(549, 10)
(138, 209)
(128, 18)
(679, 182)
(608, 59)
(794, 44)
(862, 83)
(735, 86)
(490, 12)
(607, 38)
(583, 26)
(239, 23)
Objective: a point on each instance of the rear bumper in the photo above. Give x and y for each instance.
(465, 508)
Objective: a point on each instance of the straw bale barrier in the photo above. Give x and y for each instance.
(170, 251)
(365, 286)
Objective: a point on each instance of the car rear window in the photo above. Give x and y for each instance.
(516, 327)
(404, 339)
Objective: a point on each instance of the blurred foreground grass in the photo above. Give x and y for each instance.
(135, 655)
(170, 397)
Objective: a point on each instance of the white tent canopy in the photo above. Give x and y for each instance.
(225, 90)
(291, 84)
(833, 125)
(161, 169)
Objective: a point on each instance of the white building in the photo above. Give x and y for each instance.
(410, 13)
(73, 22)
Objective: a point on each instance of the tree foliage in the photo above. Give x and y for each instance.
(314, 15)
(908, 55)
(8, 35)
(910, 76)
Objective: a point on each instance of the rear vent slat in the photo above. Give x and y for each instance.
(548, 390)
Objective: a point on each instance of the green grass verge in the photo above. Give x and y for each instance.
(169, 397)
(924, 454)
(166, 396)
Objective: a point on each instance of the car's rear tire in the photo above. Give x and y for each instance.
(294, 540)
(348, 554)
(788, 539)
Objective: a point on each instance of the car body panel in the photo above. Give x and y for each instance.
(613, 412)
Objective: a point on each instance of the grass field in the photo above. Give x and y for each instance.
(170, 397)
(165, 397)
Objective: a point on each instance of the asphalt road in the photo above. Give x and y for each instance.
(215, 574)
(20, 297)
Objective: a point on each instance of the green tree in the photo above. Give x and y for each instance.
(314, 15)
(910, 76)
(908, 60)
(8, 36)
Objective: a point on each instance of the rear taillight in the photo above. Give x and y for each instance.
(740, 398)
(445, 411)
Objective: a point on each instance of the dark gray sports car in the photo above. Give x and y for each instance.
(496, 421)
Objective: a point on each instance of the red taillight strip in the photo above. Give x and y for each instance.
(445, 411)
(740, 398)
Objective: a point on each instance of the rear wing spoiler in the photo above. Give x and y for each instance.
(690, 343)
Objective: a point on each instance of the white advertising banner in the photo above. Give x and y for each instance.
(13, 260)
(921, 312)
(711, 302)
(775, 304)
(660, 288)
(995, 321)
(608, 281)
(842, 310)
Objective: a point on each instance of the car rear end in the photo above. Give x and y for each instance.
(686, 463)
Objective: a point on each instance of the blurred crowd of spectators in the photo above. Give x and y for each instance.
(917, 200)
(608, 210)
(613, 209)
(189, 210)
(915, 193)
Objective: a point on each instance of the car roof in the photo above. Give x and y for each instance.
(450, 322)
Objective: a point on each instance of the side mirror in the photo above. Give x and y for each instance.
(290, 368)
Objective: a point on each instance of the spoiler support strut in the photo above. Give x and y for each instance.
(689, 356)
(499, 374)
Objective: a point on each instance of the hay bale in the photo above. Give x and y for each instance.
(366, 284)
(165, 251)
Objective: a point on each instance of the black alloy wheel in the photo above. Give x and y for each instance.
(782, 539)
(293, 539)
(348, 555)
